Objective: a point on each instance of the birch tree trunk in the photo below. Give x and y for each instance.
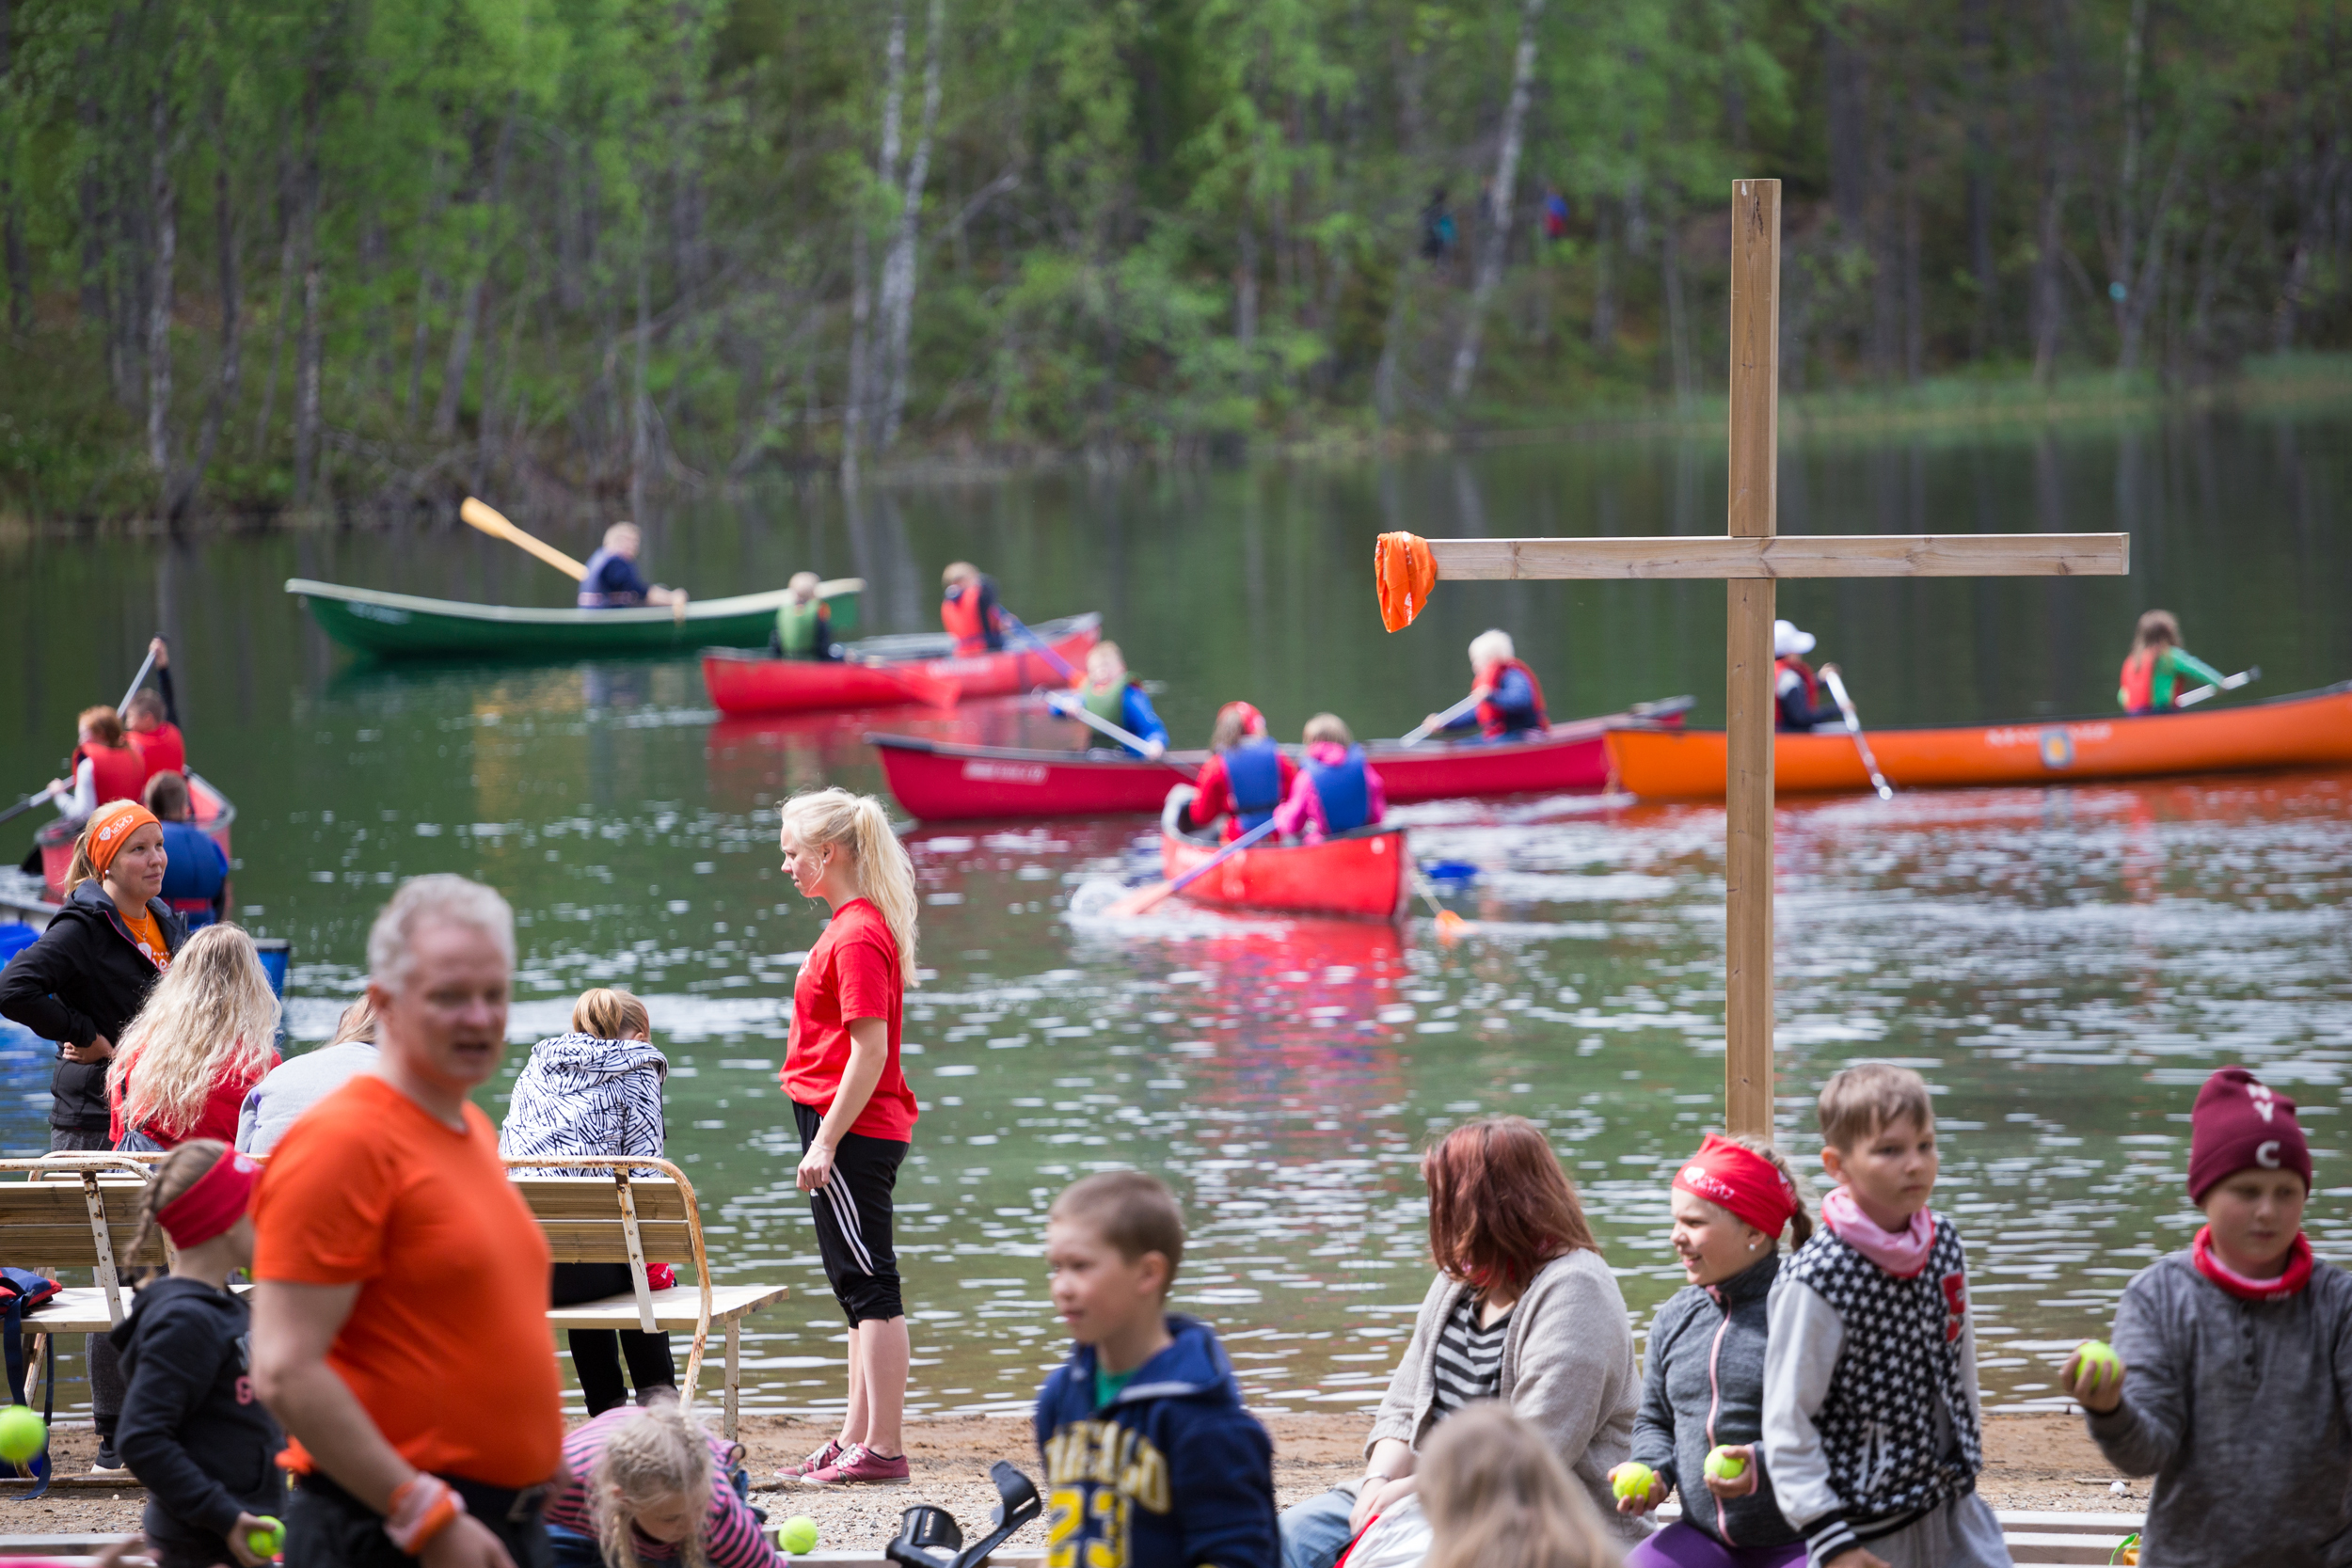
(185, 489)
(864, 354)
(307, 349)
(898, 282)
(640, 400)
(1506, 176)
(11, 201)
(164, 222)
(470, 312)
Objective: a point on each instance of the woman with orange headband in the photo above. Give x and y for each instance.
(80, 985)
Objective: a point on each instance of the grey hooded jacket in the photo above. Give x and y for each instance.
(2242, 1410)
(1703, 1386)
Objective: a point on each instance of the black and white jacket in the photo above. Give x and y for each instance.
(580, 1095)
(1872, 1417)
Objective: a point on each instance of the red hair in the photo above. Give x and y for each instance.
(1501, 1206)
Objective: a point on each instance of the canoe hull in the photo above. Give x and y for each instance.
(944, 781)
(211, 808)
(402, 626)
(745, 683)
(2310, 729)
(1364, 876)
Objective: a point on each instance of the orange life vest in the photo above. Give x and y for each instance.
(959, 611)
(118, 771)
(2139, 680)
(1492, 720)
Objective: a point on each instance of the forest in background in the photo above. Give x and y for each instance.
(318, 255)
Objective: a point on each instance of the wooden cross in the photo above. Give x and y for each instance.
(1753, 556)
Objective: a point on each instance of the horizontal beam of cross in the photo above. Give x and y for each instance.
(1866, 555)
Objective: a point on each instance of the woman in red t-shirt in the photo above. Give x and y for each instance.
(207, 1034)
(852, 1106)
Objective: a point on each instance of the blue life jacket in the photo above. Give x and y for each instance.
(194, 874)
(592, 581)
(1253, 774)
(1341, 787)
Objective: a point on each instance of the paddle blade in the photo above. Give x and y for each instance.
(1452, 927)
(1142, 901)
(481, 515)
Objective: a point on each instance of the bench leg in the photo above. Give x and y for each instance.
(735, 1376)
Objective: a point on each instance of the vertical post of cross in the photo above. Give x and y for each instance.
(1748, 659)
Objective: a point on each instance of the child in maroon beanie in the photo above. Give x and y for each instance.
(2235, 1390)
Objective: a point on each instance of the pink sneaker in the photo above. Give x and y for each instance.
(818, 1460)
(857, 1467)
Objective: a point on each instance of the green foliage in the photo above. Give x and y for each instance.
(1164, 225)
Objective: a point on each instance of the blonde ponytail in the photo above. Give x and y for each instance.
(884, 873)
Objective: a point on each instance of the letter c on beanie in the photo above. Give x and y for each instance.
(2241, 1123)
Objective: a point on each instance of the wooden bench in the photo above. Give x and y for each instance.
(2036, 1538)
(77, 1211)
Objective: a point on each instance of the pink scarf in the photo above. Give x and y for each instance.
(2297, 1274)
(1902, 1253)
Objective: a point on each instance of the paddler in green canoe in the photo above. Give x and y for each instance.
(2152, 681)
(804, 625)
(1107, 692)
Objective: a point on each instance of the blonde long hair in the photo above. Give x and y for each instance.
(659, 1453)
(1496, 1496)
(884, 873)
(212, 1017)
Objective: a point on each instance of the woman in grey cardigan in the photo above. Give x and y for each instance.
(1523, 1310)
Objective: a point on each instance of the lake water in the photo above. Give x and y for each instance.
(2065, 965)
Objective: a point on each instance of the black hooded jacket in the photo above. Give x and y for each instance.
(192, 1429)
(84, 978)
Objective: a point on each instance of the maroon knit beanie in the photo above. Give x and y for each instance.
(2238, 1124)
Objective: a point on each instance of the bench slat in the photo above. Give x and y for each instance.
(591, 1241)
(595, 1198)
(673, 1308)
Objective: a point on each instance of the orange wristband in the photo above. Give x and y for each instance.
(422, 1507)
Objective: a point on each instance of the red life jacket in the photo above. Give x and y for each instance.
(960, 612)
(1491, 721)
(161, 749)
(1804, 672)
(2139, 680)
(117, 770)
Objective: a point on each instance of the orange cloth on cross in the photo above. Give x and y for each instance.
(447, 1346)
(1404, 571)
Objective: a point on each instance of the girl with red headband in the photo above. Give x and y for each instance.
(192, 1430)
(1703, 1390)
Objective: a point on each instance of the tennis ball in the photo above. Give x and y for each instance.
(268, 1541)
(2097, 1359)
(1727, 1464)
(22, 1435)
(798, 1534)
(1632, 1478)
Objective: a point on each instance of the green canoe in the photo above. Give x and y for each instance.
(401, 625)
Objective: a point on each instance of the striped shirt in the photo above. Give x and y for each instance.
(731, 1536)
(1469, 1358)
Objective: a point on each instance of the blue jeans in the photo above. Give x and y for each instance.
(1315, 1532)
(572, 1549)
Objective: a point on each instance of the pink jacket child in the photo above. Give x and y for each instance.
(1336, 791)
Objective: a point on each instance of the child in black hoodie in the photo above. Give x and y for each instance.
(192, 1430)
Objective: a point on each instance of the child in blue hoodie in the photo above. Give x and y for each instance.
(1150, 1462)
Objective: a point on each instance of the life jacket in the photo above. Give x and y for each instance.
(1345, 794)
(2138, 681)
(1105, 702)
(1493, 720)
(194, 874)
(161, 749)
(592, 597)
(960, 612)
(117, 770)
(1792, 665)
(796, 628)
(1253, 776)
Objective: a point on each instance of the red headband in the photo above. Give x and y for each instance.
(1741, 1181)
(1252, 721)
(217, 1201)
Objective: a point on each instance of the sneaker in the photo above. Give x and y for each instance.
(857, 1467)
(818, 1460)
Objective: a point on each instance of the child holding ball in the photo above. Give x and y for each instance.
(192, 1430)
(651, 1486)
(1150, 1462)
(2234, 1383)
(1703, 1386)
(1872, 1430)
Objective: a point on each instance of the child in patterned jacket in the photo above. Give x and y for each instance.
(1872, 1430)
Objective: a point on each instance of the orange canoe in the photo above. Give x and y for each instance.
(2308, 729)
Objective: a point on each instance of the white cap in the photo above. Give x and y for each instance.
(1788, 642)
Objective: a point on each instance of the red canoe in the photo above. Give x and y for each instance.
(208, 806)
(742, 683)
(941, 781)
(1365, 874)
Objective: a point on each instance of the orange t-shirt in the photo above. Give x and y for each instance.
(448, 1346)
(149, 936)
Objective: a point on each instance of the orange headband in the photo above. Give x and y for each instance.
(111, 827)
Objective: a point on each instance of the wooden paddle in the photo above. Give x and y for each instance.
(1423, 731)
(482, 515)
(27, 803)
(1125, 736)
(2227, 682)
(1144, 900)
(1853, 727)
(1042, 646)
(1452, 927)
(128, 692)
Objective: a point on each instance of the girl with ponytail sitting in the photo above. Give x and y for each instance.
(191, 1430)
(1703, 1387)
(651, 1486)
(853, 1107)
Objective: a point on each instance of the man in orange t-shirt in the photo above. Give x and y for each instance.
(400, 1320)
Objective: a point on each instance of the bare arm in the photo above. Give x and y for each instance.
(869, 1051)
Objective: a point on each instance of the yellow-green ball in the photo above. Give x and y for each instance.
(1727, 1464)
(798, 1535)
(22, 1435)
(268, 1541)
(2097, 1359)
(1632, 1478)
